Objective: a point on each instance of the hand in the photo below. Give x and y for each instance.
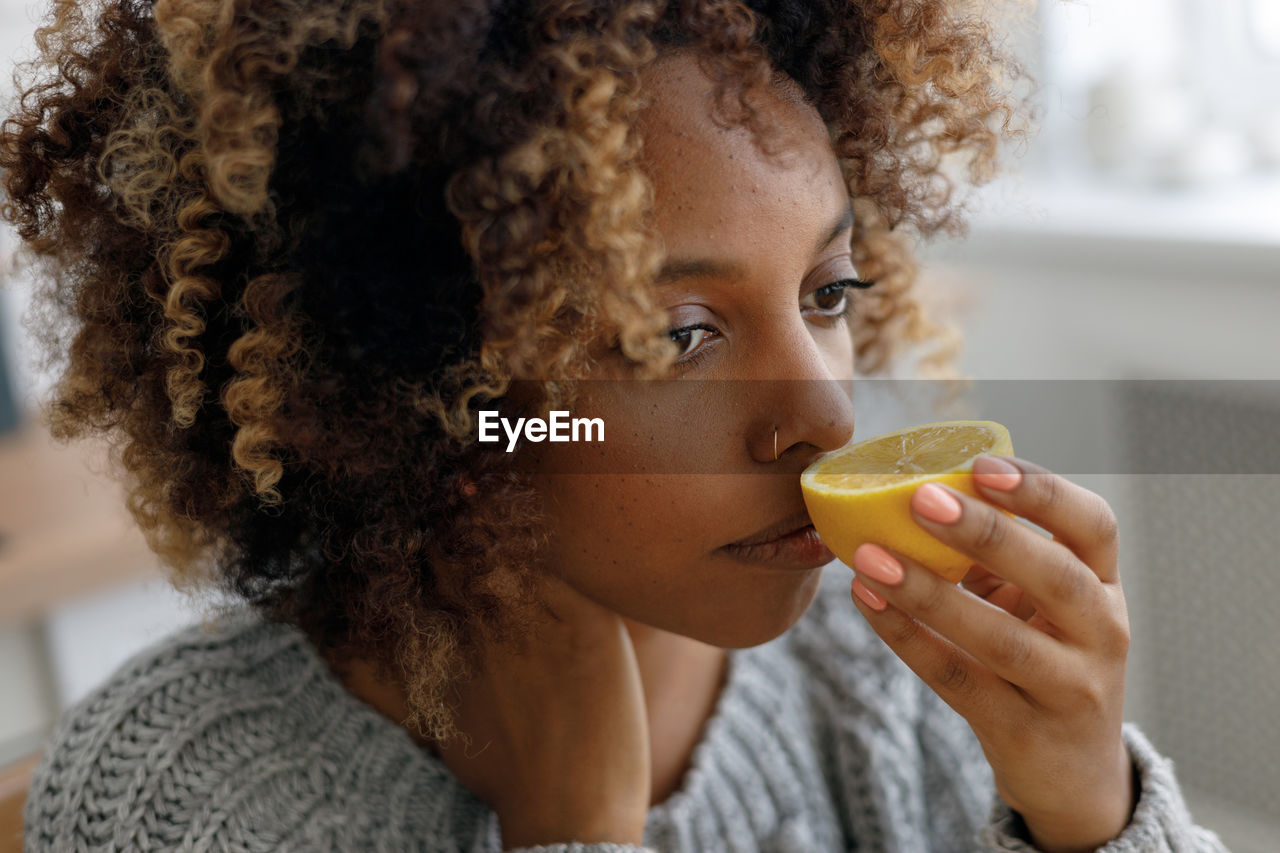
(1030, 649)
(560, 747)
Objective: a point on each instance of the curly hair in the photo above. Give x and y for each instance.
(286, 249)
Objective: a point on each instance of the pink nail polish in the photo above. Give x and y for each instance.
(936, 504)
(996, 473)
(868, 597)
(878, 564)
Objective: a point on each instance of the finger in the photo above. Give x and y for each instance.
(1065, 590)
(994, 589)
(1078, 518)
(962, 682)
(981, 582)
(1003, 643)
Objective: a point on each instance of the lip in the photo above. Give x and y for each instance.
(791, 543)
(790, 524)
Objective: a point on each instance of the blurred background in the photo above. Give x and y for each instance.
(1134, 240)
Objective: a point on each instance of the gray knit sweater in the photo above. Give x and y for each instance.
(242, 739)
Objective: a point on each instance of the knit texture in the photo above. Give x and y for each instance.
(242, 739)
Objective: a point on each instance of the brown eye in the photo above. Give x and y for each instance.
(688, 338)
(832, 300)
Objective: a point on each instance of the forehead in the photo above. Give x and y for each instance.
(707, 177)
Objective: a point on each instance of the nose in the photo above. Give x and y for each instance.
(811, 408)
(810, 417)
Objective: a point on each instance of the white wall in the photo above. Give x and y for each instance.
(1103, 298)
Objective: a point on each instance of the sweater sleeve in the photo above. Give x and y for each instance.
(954, 760)
(1161, 822)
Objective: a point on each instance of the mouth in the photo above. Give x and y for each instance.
(791, 543)
(777, 531)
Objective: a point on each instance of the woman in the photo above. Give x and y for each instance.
(303, 247)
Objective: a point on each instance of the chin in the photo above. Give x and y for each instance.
(754, 616)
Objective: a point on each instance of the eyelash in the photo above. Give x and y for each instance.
(690, 361)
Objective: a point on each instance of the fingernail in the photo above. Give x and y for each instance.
(934, 503)
(996, 473)
(868, 597)
(877, 564)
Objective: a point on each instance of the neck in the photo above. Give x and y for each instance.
(674, 669)
(682, 681)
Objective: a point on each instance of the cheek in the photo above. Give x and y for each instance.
(634, 524)
(643, 546)
(651, 496)
(639, 545)
(650, 524)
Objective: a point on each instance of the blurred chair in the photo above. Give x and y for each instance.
(14, 780)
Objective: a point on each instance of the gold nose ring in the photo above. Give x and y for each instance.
(775, 444)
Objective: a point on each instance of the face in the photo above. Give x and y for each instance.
(756, 249)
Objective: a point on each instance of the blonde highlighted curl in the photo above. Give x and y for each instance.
(286, 249)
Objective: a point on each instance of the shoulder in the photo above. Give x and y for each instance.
(117, 753)
(233, 726)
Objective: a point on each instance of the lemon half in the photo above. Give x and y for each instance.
(862, 492)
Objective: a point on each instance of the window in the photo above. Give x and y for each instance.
(1161, 91)
(1265, 26)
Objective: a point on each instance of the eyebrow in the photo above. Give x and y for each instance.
(679, 268)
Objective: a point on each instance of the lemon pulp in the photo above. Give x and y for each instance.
(862, 492)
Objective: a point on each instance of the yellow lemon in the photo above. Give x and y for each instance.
(862, 492)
